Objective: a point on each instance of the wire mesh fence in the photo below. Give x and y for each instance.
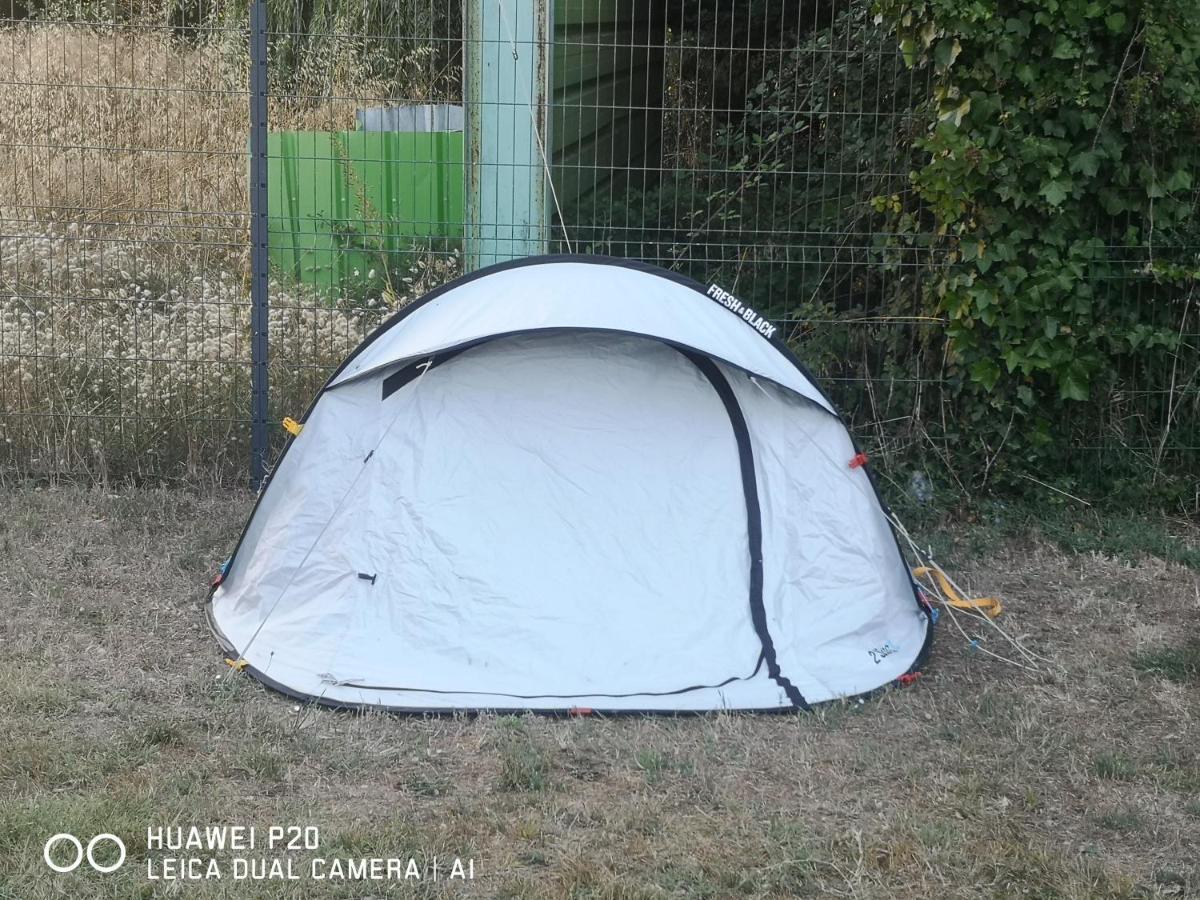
(758, 145)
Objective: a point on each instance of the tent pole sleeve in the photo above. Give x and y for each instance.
(741, 433)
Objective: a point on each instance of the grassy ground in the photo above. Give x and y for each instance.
(979, 781)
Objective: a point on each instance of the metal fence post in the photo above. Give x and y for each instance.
(260, 301)
(506, 84)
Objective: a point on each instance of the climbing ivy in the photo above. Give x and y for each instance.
(1058, 171)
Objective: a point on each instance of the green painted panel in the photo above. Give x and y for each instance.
(345, 206)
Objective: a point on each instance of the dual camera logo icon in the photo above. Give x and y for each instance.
(48, 852)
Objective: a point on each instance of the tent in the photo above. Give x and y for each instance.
(571, 482)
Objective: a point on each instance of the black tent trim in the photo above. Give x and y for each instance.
(672, 693)
(270, 683)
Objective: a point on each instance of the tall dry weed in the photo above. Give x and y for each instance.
(124, 307)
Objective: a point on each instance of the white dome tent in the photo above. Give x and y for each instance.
(571, 482)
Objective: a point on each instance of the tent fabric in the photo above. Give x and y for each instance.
(579, 294)
(499, 503)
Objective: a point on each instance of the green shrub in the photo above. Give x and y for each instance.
(1057, 170)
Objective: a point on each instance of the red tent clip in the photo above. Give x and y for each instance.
(908, 678)
(860, 459)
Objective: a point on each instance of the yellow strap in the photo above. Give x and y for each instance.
(989, 606)
(293, 427)
(236, 664)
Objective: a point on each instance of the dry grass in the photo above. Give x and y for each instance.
(118, 362)
(124, 282)
(977, 782)
(138, 141)
(130, 126)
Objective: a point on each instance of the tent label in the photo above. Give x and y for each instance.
(746, 313)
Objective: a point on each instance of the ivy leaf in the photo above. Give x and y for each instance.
(928, 33)
(1115, 22)
(1180, 180)
(946, 52)
(1073, 385)
(1065, 48)
(952, 111)
(986, 373)
(1087, 162)
(1054, 192)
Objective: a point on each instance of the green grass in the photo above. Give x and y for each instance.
(1178, 769)
(427, 787)
(1179, 664)
(1128, 537)
(1114, 767)
(163, 734)
(259, 764)
(958, 530)
(1124, 819)
(657, 765)
(524, 764)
